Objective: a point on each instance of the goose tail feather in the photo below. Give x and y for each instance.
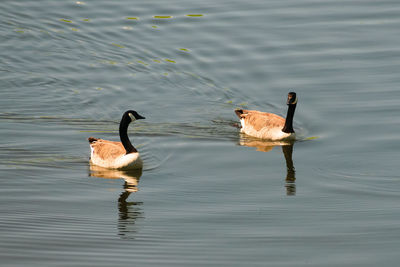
(239, 112)
(92, 140)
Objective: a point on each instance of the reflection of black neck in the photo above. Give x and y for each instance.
(123, 135)
(288, 128)
(290, 174)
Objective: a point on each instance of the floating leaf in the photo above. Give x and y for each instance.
(156, 60)
(111, 62)
(118, 45)
(132, 18)
(312, 138)
(87, 20)
(141, 62)
(162, 17)
(184, 49)
(170, 60)
(74, 29)
(66, 20)
(194, 15)
(154, 27)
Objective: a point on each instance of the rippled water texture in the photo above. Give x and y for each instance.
(207, 195)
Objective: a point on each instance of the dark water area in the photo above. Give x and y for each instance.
(207, 195)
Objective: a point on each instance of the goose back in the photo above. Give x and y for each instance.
(262, 125)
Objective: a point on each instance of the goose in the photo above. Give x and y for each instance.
(268, 125)
(117, 155)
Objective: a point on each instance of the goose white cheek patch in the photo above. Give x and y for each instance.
(132, 117)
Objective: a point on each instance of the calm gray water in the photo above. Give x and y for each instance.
(207, 195)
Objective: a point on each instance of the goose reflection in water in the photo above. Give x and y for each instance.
(128, 212)
(287, 149)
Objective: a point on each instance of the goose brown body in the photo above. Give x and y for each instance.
(110, 154)
(268, 126)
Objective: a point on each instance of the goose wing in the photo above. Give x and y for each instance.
(258, 120)
(105, 149)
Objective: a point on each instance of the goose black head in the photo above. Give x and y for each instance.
(292, 98)
(133, 115)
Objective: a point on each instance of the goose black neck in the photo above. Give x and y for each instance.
(288, 128)
(123, 135)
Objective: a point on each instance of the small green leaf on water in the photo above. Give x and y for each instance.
(118, 45)
(87, 20)
(74, 29)
(133, 18)
(156, 60)
(170, 60)
(312, 138)
(66, 20)
(162, 17)
(211, 84)
(194, 15)
(141, 62)
(99, 88)
(194, 75)
(154, 26)
(165, 73)
(229, 101)
(184, 49)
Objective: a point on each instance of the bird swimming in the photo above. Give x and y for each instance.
(117, 155)
(269, 126)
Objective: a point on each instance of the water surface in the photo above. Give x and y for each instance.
(207, 195)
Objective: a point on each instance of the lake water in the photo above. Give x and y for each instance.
(206, 195)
